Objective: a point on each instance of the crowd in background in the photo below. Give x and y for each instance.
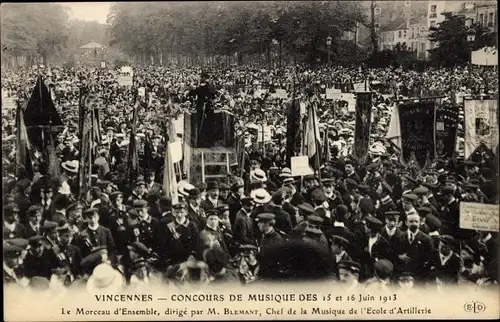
(378, 222)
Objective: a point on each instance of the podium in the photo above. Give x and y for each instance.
(209, 130)
(208, 146)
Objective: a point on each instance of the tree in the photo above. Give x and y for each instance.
(452, 48)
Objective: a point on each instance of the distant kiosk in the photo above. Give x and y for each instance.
(209, 158)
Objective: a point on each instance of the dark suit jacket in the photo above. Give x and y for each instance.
(419, 251)
(100, 237)
(234, 204)
(283, 220)
(18, 232)
(270, 239)
(381, 249)
(30, 232)
(447, 273)
(450, 216)
(198, 218)
(208, 205)
(243, 229)
(40, 266)
(179, 249)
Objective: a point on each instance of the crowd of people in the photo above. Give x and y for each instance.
(378, 222)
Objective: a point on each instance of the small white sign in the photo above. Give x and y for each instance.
(299, 166)
(479, 216)
(125, 80)
(103, 64)
(175, 149)
(142, 91)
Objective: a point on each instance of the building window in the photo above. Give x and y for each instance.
(491, 19)
(422, 47)
(433, 8)
(400, 34)
(433, 23)
(412, 32)
(404, 34)
(481, 19)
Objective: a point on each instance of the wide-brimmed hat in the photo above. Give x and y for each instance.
(105, 279)
(260, 196)
(71, 166)
(258, 175)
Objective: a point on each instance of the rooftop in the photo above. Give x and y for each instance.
(91, 45)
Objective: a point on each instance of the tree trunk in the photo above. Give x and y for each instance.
(161, 58)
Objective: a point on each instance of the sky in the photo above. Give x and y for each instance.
(89, 11)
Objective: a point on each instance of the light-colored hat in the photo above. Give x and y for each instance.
(260, 196)
(285, 173)
(377, 148)
(64, 189)
(71, 166)
(258, 175)
(183, 188)
(105, 279)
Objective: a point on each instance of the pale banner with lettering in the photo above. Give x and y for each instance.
(481, 125)
(479, 216)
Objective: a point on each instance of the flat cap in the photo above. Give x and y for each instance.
(410, 197)
(247, 247)
(11, 251)
(306, 207)
(315, 220)
(212, 212)
(384, 268)
(223, 186)
(90, 211)
(392, 213)
(318, 195)
(351, 266)
(373, 222)
(338, 240)
(34, 209)
(49, 225)
(449, 240)
(36, 240)
(179, 205)
(140, 204)
(448, 190)
(18, 242)
(421, 190)
(223, 207)
(265, 217)
(10, 208)
(433, 222)
(372, 166)
(424, 210)
(315, 232)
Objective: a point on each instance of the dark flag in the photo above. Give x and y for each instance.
(23, 158)
(363, 123)
(326, 147)
(148, 153)
(417, 136)
(40, 114)
(96, 131)
(293, 139)
(446, 130)
(86, 144)
(133, 155)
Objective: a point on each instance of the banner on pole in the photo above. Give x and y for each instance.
(481, 125)
(363, 123)
(416, 119)
(125, 80)
(479, 216)
(446, 130)
(299, 166)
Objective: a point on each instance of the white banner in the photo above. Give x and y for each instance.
(332, 93)
(481, 125)
(175, 150)
(299, 166)
(125, 80)
(479, 216)
(486, 56)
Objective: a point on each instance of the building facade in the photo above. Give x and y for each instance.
(392, 34)
(486, 14)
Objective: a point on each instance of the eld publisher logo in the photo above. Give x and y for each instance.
(474, 307)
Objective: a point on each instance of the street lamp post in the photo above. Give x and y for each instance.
(471, 37)
(329, 46)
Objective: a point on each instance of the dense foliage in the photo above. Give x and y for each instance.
(453, 49)
(150, 32)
